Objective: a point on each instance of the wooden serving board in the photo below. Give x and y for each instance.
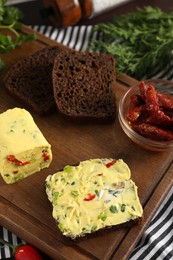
(24, 207)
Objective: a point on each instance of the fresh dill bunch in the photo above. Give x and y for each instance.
(140, 41)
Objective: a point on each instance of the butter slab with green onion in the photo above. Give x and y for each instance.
(23, 148)
(94, 195)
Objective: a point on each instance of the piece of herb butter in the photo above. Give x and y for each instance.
(23, 148)
(94, 195)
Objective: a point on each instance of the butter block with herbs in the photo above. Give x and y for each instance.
(96, 194)
(23, 148)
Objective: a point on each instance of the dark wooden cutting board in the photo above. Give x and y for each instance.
(24, 207)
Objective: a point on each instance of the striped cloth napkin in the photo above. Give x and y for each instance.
(77, 37)
(157, 240)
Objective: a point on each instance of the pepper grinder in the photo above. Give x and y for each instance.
(63, 13)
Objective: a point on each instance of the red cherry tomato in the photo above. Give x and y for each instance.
(27, 252)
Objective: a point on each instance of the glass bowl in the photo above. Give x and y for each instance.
(161, 86)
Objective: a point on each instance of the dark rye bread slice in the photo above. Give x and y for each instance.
(30, 79)
(84, 85)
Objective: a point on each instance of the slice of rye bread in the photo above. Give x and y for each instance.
(84, 85)
(30, 79)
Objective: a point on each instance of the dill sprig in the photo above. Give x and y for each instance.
(140, 41)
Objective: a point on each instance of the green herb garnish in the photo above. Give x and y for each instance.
(114, 192)
(133, 208)
(141, 41)
(94, 227)
(62, 227)
(10, 21)
(68, 169)
(123, 208)
(56, 195)
(102, 216)
(113, 209)
(47, 185)
(97, 193)
(75, 193)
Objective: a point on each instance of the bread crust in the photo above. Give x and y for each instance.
(100, 232)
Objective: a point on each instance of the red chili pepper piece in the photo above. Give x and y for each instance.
(153, 132)
(89, 197)
(27, 252)
(13, 159)
(110, 164)
(46, 156)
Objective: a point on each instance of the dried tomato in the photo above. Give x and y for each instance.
(110, 164)
(46, 156)
(157, 116)
(143, 89)
(135, 108)
(153, 132)
(89, 197)
(13, 159)
(151, 113)
(165, 101)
